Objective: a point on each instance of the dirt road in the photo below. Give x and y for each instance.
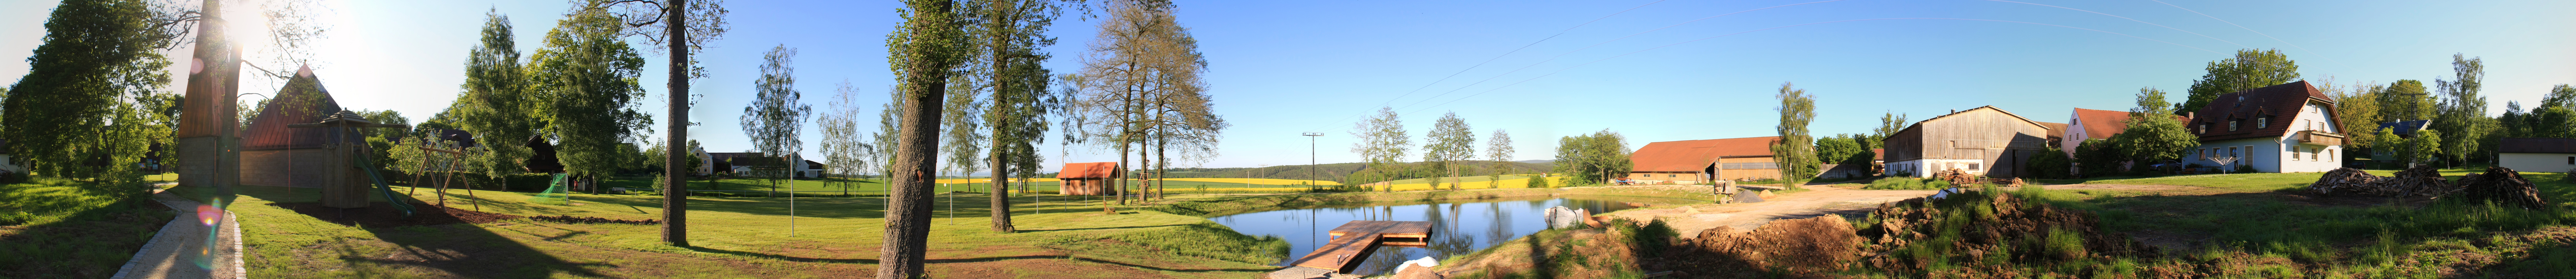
(1820, 200)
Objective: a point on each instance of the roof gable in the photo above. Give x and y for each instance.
(302, 100)
(1089, 170)
(2287, 99)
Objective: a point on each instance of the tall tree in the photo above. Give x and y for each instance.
(2461, 114)
(1140, 83)
(2153, 133)
(1498, 148)
(1449, 141)
(74, 105)
(1796, 150)
(2406, 100)
(680, 28)
(495, 103)
(775, 116)
(842, 143)
(1012, 33)
(2357, 109)
(2249, 69)
(585, 76)
(1382, 142)
(924, 52)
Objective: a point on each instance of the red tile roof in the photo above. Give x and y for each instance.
(2287, 99)
(2055, 130)
(1878, 154)
(1695, 155)
(2536, 145)
(1089, 170)
(2102, 124)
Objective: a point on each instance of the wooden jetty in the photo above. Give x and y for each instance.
(1353, 241)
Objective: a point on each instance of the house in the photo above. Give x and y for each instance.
(1984, 140)
(2536, 154)
(1695, 161)
(2092, 124)
(9, 164)
(2289, 127)
(1089, 179)
(732, 162)
(275, 155)
(809, 169)
(2403, 129)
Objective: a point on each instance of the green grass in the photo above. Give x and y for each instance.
(60, 228)
(741, 237)
(1904, 183)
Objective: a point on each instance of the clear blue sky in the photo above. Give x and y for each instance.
(1283, 67)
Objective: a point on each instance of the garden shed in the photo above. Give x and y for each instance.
(1089, 179)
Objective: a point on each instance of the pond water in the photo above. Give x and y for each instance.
(1458, 227)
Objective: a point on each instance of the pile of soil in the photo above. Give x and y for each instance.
(385, 215)
(2419, 181)
(1988, 227)
(1957, 177)
(569, 219)
(2501, 186)
(1798, 248)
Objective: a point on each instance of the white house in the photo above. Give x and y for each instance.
(2536, 154)
(2289, 127)
(10, 164)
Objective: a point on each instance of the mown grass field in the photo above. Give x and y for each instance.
(743, 237)
(60, 228)
(2264, 220)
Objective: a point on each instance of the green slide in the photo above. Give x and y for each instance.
(387, 189)
(554, 194)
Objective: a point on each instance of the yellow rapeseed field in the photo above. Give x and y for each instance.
(1259, 181)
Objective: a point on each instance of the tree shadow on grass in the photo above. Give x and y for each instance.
(434, 239)
(1100, 228)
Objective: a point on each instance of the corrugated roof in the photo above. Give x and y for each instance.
(1694, 155)
(2536, 145)
(2287, 99)
(295, 104)
(1089, 170)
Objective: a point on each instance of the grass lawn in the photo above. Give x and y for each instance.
(59, 228)
(744, 237)
(2263, 221)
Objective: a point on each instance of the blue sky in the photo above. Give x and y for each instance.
(1278, 68)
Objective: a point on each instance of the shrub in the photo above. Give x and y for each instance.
(1907, 183)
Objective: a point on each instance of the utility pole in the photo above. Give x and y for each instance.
(1310, 159)
(1247, 175)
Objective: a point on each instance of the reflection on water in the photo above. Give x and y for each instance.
(1457, 227)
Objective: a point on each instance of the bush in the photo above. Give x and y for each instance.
(1907, 183)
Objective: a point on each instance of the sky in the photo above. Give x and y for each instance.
(1647, 69)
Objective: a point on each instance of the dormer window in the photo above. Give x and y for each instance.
(2262, 122)
(2231, 125)
(2204, 128)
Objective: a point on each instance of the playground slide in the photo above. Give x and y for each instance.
(369, 167)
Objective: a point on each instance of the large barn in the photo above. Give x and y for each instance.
(1985, 140)
(1695, 161)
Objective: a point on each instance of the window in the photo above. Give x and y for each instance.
(2231, 125)
(2571, 160)
(1972, 166)
(2204, 128)
(1672, 175)
(2231, 152)
(2262, 122)
(2330, 155)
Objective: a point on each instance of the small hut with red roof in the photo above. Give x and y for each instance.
(1090, 179)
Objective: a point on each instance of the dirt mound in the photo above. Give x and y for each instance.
(1797, 247)
(1989, 231)
(384, 215)
(1957, 177)
(569, 219)
(2500, 185)
(2419, 181)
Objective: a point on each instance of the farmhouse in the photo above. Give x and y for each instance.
(2289, 127)
(1984, 140)
(2536, 154)
(1089, 179)
(1695, 161)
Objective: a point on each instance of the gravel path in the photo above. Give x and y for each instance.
(1819, 200)
(187, 247)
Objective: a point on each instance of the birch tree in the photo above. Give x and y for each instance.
(775, 116)
(1498, 148)
(842, 143)
(1449, 141)
(1382, 141)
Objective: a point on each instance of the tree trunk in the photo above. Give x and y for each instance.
(907, 227)
(675, 193)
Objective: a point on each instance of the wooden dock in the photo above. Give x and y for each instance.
(1353, 241)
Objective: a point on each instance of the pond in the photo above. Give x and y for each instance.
(1458, 227)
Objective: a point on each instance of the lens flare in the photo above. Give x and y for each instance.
(207, 214)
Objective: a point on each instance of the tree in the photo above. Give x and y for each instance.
(2098, 157)
(1887, 126)
(585, 78)
(2554, 117)
(1592, 158)
(1796, 150)
(495, 103)
(2421, 148)
(2249, 69)
(2153, 134)
(842, 144)
(2050, 163)
(1842, 149)
(1449, 140)
(774, 116)
(681, 30)
(73, 113)
(2406, 100)
(924, 52)
(1382, 142)
(2462, 113)
(1013, 31)
(2357, 109)
(1142, 70)
(1498, 148)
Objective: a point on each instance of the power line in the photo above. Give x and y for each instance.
(1756, 30)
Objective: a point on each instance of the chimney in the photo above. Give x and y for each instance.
(2188, 114)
